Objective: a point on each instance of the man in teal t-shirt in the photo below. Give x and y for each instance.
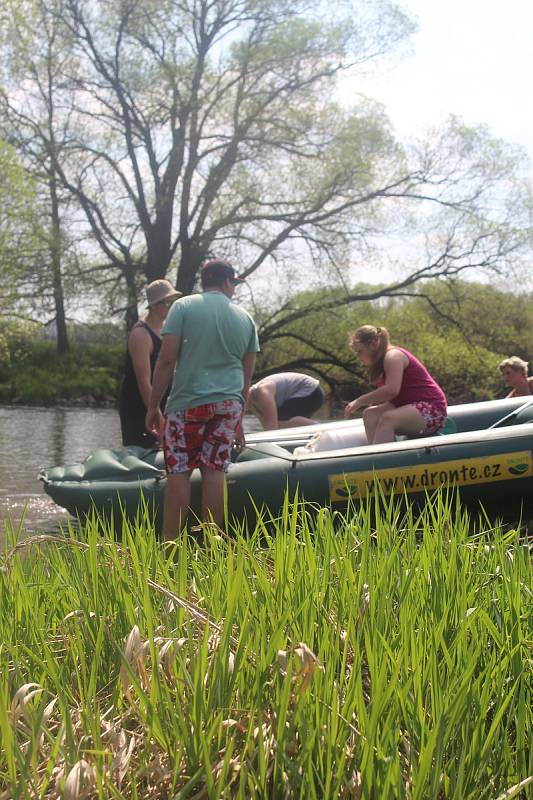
(209, 345)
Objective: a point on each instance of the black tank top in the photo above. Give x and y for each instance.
(131, 406)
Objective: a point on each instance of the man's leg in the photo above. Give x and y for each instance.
(216, 456)
(212, 495)
(298, 411)
(177, 501)
(182, 436)
(294, 422)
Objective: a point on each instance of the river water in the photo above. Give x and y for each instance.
(33, 438)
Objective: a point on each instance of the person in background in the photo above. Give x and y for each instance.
(406, 400)
(285, 399)
(144, 343)
(209, 346)
(514, 373)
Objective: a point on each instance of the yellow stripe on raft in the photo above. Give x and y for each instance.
(462, 472)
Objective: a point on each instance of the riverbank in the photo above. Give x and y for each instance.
(346, 661)
(88, 376)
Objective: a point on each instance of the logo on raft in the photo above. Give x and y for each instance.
(346, 491)
(519, 468)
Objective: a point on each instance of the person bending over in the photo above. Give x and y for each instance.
(144, 343)
(208, 351)
(514, 373)
(406, 400)
(285, 399)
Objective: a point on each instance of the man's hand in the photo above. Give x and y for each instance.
(154, 422)
(239, 440)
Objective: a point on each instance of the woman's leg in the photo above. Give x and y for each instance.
(371, 417)
(405, 419)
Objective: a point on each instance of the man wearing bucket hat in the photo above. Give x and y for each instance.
(144, 344)
(208, 351)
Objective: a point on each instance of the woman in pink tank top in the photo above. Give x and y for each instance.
(406, 399)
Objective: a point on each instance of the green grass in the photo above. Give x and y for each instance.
(315, 657)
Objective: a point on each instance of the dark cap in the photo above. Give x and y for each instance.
(216, 271)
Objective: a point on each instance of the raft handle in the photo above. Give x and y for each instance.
(501, 422)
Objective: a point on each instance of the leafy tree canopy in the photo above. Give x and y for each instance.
(450, 327)
(18, 226)
(176, 130)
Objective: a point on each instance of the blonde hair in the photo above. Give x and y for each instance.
(366, 335)
(516, 363)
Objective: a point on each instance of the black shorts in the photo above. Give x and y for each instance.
(133, 430)
(301, 406)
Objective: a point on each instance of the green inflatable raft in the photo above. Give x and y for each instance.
(485, 451)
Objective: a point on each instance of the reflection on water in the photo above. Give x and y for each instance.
(35, 438)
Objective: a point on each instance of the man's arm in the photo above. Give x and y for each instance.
(248, 364)
(163, 372)
(140, 350)
(264, 404)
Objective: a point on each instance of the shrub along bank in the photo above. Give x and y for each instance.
(32, 373)
(459, 343)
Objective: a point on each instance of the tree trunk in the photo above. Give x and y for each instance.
(158, 239)
(191, 258)
(62, 342)
(132, 312)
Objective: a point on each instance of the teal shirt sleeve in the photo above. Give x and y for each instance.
(174, 321)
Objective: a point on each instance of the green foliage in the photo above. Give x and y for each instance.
(35, 375)
(5, 357)
(317, 656)
(501, 321)
(461, 331)
(18, 224)
(283, 172)
(66, 382)
(467, 374)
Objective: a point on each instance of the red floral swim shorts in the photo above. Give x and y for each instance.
(434, 416)
(200, 436)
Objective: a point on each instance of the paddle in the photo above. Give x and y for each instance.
(501, 422)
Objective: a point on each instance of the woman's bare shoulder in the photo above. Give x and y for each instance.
(395, 355)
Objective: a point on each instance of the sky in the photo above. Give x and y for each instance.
(473, 58)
